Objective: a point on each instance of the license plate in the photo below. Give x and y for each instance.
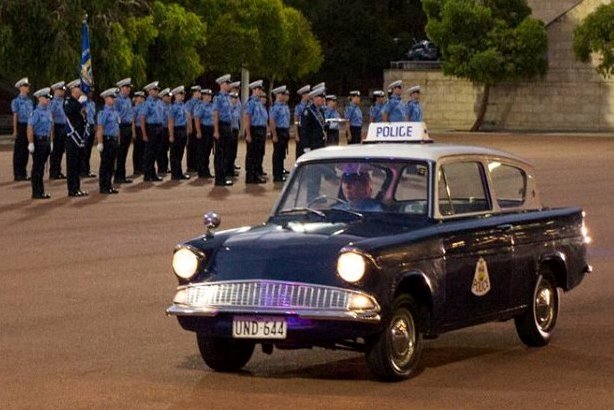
(259, 327)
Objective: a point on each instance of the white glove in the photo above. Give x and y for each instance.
(51, 146)
(306, 149)
(100, 147)
(83, 99)
(31, 148)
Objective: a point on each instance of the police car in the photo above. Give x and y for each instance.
(377, 247)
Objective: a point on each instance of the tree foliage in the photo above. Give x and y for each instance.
(596, 35)
(487, 41)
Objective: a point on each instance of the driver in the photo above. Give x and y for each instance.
(356, 188)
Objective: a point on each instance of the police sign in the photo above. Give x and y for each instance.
(397, 132)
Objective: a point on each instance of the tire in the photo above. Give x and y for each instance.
(224, 354)
(394, 354)
(535, 326)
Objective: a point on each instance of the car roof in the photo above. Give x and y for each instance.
(417, 151)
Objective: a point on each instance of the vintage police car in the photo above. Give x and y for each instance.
(376, 247)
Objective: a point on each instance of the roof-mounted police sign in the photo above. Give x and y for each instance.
(397, 132)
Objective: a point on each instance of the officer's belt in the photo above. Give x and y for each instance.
(125, 124)
(41, 137)
(259, 126)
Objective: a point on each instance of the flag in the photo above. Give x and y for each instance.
(85, 69)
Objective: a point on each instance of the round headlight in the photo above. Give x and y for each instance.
(351, 266)
(185, 263)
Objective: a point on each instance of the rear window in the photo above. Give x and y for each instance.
(509, 183)
(461, 189)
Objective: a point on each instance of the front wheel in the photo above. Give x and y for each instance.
(535, 326)
(394, 354)
(224, 354)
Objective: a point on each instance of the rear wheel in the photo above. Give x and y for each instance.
(535, 326)
(224, 354)
(395, 353)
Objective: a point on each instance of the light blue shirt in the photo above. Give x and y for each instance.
(204, 111)
(395, 109)
(414, 111)
(280, 113)
(223, 106)
(23, 106)
(179, 114)
(298, 111)
(109, 119)
(332, 113)
(57, 110)
(236, 116)
(123, 105)
(152, 111)
(41, 121)
(166, 107)
(376, 112)
(354, 115)
(257, 112)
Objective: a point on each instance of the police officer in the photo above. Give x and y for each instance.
(298, 114)
(138, 151)
(332, 120)
(375, 111)
(123, 106)
(40, 132)
(59, 131)
(22, 108)
(222, 132)
(394, 110)
(162, 160)
(235, 90)
(313, 134)
(353, 115)
(279, 123)
(414, 111)
(192, 144)
(255, 119)
(178, 129)
(75, 113)
(107, 135)
(203, 119)
(151, 127)
(90, 131)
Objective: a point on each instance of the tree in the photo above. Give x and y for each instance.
(596, 35)
(487, 42)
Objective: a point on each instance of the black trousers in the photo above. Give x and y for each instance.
(355, 135)
(279, 152)
(138, 153)
(177, 148)
(299, 149)
(332, 137)
(191, 150)
(152, 149)
(88, 139)
(73, 165)
(42, 147)
(204, 146)
(222, 151)
(20, 151)
(108, 158)
(59, 146)
(234, 148)
(125, 139)
(162, 159)
(253, 162)
(261, 148)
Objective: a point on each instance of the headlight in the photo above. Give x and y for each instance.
(351, 266)
(185, 263)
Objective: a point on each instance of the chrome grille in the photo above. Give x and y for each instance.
(267, 294)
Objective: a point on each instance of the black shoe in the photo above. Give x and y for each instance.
(258, 180)
(58, 176)
(41, 196)
(205, 175)
(123, 181)
(23, 178)
(237, 167)
(236, 173)
(91, 175)
(153, 179)
(282, 179)
(263, 174)
(224, 183)
(285, 172)
(109, 191)
(78, 194)
(181, 177)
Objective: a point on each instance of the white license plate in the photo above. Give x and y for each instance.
(259, 327)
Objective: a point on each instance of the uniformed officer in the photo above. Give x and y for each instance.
(178, 129)
(255, 118)
(414, 110)
(353, 115)
(192, 144)
(22, 108)
(138, 151)
(375, 111)
(40, 133)
(222, 133)
(313, 134)
(298, 114)
(123, 106)
(58, 144)
(75, 113)
(151, 127)
(235, 91)
(332, 117)
(90, 134)
(203, 118)
(162, 160)
(279, 122)
(107, 135)
(394, 110)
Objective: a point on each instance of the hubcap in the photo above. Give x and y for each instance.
(544, 305)
(403, 340)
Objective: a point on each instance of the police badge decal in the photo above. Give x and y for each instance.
(481, 281)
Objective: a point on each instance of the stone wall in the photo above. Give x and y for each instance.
(572, 96)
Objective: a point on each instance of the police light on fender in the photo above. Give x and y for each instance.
(397, 132)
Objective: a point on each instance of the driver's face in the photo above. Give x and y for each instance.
(356, 189)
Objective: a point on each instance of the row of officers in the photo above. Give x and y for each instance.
(158, 122)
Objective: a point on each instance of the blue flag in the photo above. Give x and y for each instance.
(85, 69)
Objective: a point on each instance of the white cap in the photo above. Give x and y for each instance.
(165, 92)
(43, 92)
(23, 81)
(414, 89)
(178, 90)
(236, 84)
(354, 93)
(124, 82)
(109, 92)
(73, 84)
(319, 85)
(304, 89)
(223, 79)
(57, 86)
(255, 84)
(207, 91)
(139, 94)
(234, 95)
(195, 88)
(378, 93)
(152, 86)
(317, 92)
(279, 90)
(331, 97)
(395, 84)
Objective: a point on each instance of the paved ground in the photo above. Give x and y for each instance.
(84, 284)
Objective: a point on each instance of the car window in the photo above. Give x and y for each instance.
(412, 189)
(509, 183)
(461, 189)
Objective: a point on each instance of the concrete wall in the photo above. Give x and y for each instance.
(572, 96)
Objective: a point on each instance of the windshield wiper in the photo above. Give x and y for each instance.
(302, 209)
(349, 211)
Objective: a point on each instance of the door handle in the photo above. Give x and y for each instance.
(505, 227)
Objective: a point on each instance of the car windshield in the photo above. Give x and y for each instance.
(399, 187)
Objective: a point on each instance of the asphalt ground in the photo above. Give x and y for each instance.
(84, 284)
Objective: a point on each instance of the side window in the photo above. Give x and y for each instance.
(510, 184)
(412, 189)
(461, 189)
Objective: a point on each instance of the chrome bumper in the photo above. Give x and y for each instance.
(260, 297)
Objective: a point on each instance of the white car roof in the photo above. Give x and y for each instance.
(426, 152)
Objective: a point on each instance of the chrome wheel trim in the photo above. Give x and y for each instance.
(544, 305)
(402, 334)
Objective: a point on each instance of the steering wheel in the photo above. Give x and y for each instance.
(325, 198)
